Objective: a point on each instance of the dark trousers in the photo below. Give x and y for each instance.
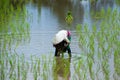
(61, 48)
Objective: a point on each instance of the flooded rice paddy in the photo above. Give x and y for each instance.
(26, 32)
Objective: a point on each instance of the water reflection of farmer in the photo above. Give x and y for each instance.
(61, 42)
(62, 69)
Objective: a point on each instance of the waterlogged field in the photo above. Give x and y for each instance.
(101, 47)
(99, 59)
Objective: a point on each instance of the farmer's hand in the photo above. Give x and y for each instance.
(66, 44)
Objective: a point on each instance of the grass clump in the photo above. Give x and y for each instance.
(100, 44)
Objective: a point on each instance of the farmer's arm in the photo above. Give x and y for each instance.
(67, 40)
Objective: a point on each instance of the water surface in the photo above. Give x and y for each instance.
(48, 17)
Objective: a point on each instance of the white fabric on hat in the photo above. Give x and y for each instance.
(60, 36)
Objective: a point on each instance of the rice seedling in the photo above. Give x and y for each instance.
(117, 2)
(10, 66)
(69, 18)
(12, 62)
(96, 44)
(99, 45)
(36, 68)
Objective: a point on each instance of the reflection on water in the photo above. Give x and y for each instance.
(46, 17)
(61, 69)
(98, 5)
(14, 29)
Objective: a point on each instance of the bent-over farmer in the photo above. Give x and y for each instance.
(61, 42)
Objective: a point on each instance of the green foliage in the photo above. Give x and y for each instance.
(69, 18)
(14, 29)
(99, 45)
(92, 1)
(13, 23)
(96, 45)
(117, 2)
(117, 62)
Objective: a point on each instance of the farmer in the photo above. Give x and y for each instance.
(61, 42)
